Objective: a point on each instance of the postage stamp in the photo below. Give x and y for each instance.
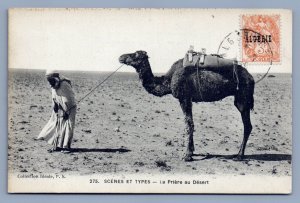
(261, 38)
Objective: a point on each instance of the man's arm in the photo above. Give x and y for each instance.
(68, 98)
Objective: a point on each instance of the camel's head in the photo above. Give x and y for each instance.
(135, 59)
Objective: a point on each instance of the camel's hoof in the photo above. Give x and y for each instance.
(38, 139)
(188, 158)
(238, 158)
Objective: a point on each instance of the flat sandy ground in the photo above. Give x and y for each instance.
(120, 128)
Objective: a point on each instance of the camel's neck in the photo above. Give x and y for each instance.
(145, 72)
(158, 86)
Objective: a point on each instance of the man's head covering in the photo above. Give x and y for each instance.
(52, 73)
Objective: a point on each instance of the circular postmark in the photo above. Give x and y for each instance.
(256, 42)
(246, 46)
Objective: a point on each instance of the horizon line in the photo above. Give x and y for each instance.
(65, 70)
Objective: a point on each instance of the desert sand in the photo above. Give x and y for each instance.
(120, 128)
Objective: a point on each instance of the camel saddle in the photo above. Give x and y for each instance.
(212, 61)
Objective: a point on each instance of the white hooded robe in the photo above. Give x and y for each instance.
(58, 131)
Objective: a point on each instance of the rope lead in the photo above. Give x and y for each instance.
(94, 88)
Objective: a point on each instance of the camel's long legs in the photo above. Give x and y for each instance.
(247, 130)
(186, 106)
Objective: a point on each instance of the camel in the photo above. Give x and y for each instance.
(191, 84)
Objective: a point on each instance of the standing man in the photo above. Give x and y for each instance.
(60, 128)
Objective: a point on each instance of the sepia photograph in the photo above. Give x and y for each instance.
(149, 101)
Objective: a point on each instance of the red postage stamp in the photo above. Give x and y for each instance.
(260, 38)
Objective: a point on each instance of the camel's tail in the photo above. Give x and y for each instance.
(252, 104)
(246, 90)
(252, 86)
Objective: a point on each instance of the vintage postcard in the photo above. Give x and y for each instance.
(150, 101)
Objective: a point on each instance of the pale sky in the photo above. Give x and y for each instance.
(93, 39)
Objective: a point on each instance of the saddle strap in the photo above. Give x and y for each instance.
(198, 79)
(235, 73)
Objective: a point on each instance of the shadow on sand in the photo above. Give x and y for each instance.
(258, 157)
(120, 150)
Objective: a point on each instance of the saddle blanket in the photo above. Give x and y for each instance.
(211, 61)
